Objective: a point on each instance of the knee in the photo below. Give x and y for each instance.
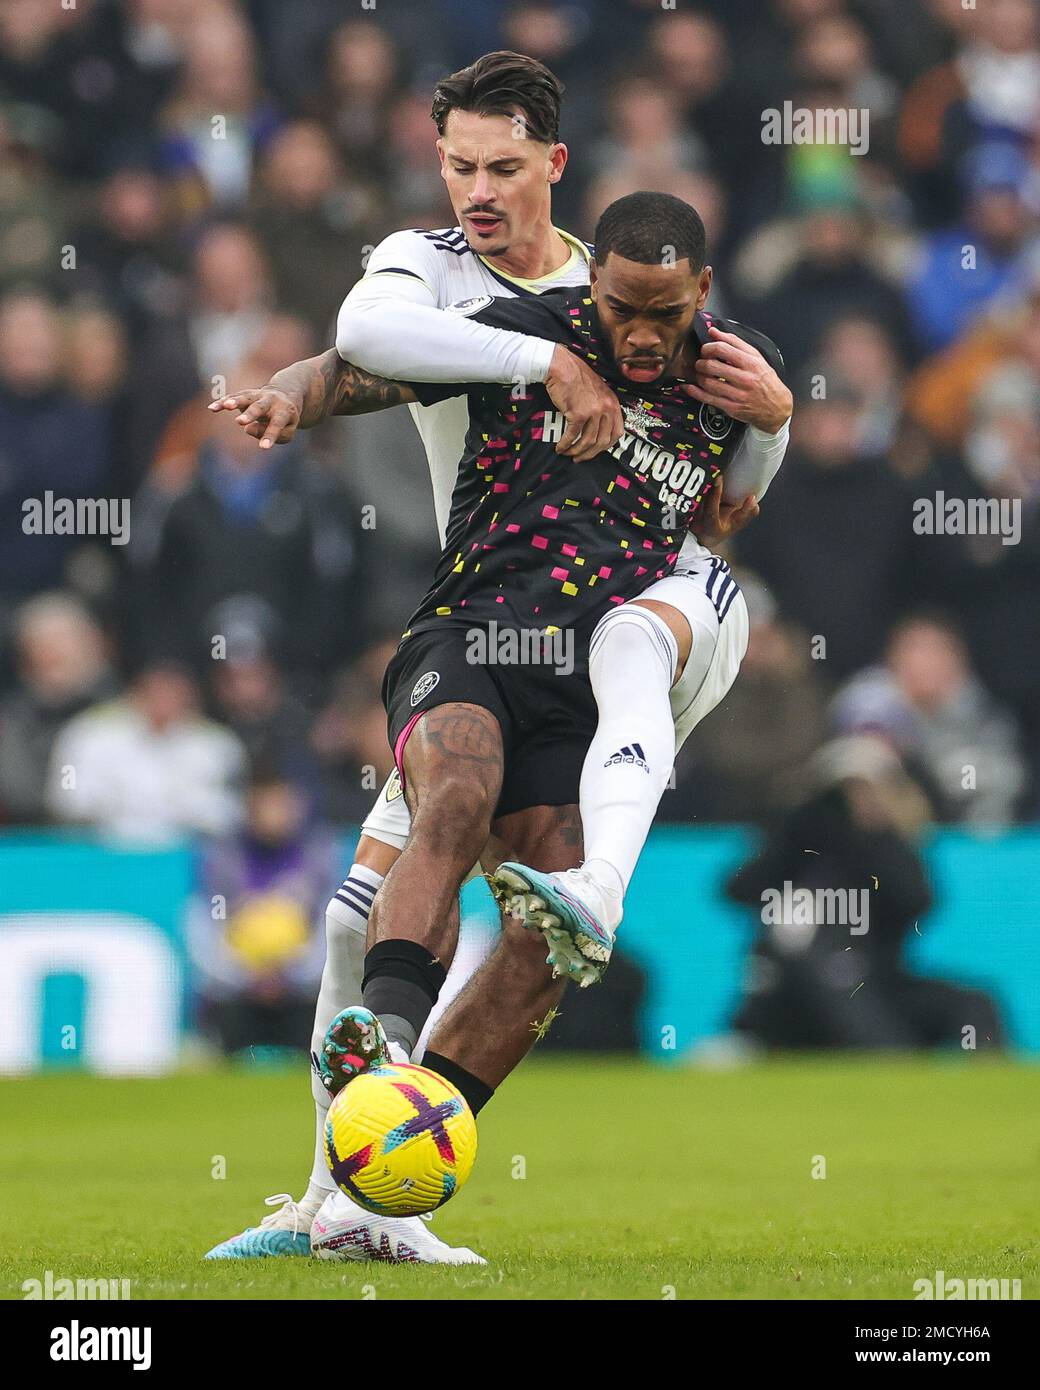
(641, 636)
(454, 815)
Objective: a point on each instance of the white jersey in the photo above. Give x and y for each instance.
(442, 262)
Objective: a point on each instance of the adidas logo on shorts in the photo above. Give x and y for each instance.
(629, 754)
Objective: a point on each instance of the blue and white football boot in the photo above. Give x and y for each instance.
(286, 1231)
(569, 909)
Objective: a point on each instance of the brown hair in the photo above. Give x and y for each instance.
(500, 84)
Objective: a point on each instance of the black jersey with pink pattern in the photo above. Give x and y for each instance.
(536, 541)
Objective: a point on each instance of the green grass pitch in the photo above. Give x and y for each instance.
(595, 1179)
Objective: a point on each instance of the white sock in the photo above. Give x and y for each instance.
(346, 930)
(632, 663)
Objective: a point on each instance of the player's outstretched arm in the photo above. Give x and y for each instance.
(303, 394)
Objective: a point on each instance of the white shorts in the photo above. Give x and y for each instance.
(707, 595)
(389, 819)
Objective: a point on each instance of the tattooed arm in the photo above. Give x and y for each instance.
(300, 396)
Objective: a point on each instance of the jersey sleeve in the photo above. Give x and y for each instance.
(543, 315)
(393, 324)
(756, 463)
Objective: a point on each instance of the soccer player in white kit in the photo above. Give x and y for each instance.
(684, 638)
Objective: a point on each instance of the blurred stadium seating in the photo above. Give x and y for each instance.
(146, 266)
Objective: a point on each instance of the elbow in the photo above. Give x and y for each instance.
(355, 339)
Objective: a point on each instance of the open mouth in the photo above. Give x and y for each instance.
(642, 368)
(484, 223)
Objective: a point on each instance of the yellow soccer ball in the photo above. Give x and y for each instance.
(400, 1140)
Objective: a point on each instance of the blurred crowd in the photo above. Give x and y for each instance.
(188, 188)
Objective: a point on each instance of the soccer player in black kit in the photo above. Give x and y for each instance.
(537, 544)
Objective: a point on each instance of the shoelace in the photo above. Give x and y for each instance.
(281, 1200)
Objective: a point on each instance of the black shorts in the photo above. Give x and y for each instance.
(547, 719)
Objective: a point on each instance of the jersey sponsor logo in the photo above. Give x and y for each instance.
(715, 423)
(681, 480)
(393, 786)
(473, 305)
(423, 686)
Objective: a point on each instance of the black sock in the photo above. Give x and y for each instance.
(477, 1093)
(401, 983)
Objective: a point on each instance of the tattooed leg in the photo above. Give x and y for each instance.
(497, 1017)
(453, 774)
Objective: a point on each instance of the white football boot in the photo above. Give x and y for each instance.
(575, 916)
(342, 1230)
(285, 1232)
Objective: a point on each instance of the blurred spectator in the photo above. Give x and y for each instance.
(744, 761)
(647, 135)
(222, 320)
(859, 349)
(128, 255)
(834, 276)
(987, 255)
(927, 700)
(362, 82)
(94, 71)
(816, 978)
(63, 669)
(350, 736)
(836, 50)
(49, 442)
(837, 577)
(941, 393)
(563, 37)
(256, 936)
(1000, 66)
(1003, 446)
(148, 766)
(692, 57)
(267, 524)
(32, 206)
(250, 696)
(217, 118)
(312, 222)
(415, 195)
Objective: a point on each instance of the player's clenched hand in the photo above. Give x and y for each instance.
(732, 376)
(592, 411)
(265, 413)
(716, 521)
